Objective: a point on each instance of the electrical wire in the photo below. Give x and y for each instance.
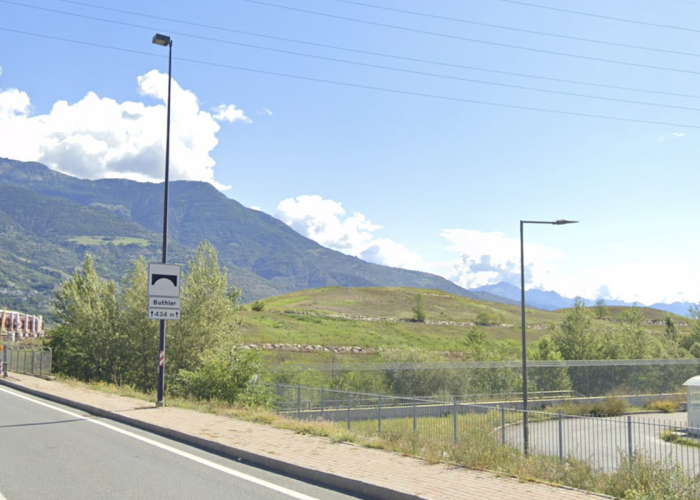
(519, 30)
(363, 87)
(379, 54)
(600, 16)
(473, 40)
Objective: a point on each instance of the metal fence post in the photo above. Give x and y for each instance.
(454, 419)
(503, 424)
(561, 439)
(380, 414)
(415, 415)
(323, 401)
(33, 363)
(277, 398)
(299, 401)
(348, 410)
(629, 437)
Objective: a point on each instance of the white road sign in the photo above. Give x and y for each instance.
(163, 280)
(164, 291)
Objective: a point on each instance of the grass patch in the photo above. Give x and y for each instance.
(108, 240)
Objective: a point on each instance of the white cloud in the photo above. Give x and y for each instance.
(266, 112)
(99, 137)
(230, 114)
(324, 221)
(490, 258)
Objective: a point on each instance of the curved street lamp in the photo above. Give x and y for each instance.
(164, 41)
(560, 222)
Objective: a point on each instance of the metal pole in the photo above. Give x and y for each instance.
(323, 401)
(561, 440)
(630, 449)
(380, 414)
(454, 419)
(415, 416)
(526, 436)
(503, 424)
(348, 409)
(161, 342)
(4, 362)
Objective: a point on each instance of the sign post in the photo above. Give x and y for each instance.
(163, 304)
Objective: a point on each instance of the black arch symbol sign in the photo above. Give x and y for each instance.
(170, 277)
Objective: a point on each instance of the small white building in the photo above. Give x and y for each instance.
(693, 385)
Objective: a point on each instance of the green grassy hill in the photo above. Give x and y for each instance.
(376, 318)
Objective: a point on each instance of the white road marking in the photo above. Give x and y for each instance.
(184, 454)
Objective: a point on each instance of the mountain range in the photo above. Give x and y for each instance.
(550, 301)
(49, 220)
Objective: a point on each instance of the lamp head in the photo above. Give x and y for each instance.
(561, 222)
(163, 40)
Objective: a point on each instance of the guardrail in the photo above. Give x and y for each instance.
(30, 360)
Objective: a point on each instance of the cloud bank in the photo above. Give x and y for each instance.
(490, 258)
(98, 137)
(325, 222)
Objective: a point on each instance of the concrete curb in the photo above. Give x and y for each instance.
(324, 478)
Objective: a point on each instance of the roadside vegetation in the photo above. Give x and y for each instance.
(105, 339)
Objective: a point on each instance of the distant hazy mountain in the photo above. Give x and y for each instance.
(48, 221)
(550, 301)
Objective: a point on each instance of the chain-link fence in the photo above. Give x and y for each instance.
(32, 360)
(604, 442)
(503, 378)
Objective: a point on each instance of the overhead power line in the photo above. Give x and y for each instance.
(601, 16)
(362, 86)
(394, 69)
(519, 30)
(473, 40)
(379, 54)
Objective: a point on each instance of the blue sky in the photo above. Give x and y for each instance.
(410, 133)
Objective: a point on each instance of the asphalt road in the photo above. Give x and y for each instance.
(604, 441)
(51, 452)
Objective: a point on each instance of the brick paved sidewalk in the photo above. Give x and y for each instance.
(362, 470)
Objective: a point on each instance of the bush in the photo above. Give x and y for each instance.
(257, 306)
(609, 407)
(489, 318)
(664, 406)
(227, 374)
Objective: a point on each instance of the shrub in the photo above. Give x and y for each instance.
(667, 406)
(257, 306)
(610, 407)
(225, 374)
(489, 318)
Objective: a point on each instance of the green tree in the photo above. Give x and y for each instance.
(208, 314)
(549, 379)
(409, 376)
(601, 309)
(671, 331)
(141, 333)
(576, 337)
(87, 343)
(419, 313)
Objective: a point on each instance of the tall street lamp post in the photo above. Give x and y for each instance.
(526, 435)
(164, 41)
